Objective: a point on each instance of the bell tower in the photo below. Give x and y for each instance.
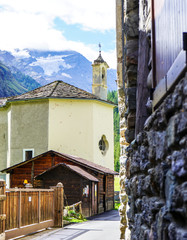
(99, 71)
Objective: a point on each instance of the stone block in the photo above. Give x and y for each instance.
(129, 135)
(161, 148)
(144, 232)
(182, 123)
(130, 94)
(131, 75)
(172, 136)
(131, 119)
(144, 163)
(179, 163)
(170, 184)
(149, 122)
(151, 135)
(131, 24)
(135, 163)
(147, 215)
(138, 204)
(131, 4)
(131, 47)
(183, 142)
(168, 107)
(158, 180)
(140, 190)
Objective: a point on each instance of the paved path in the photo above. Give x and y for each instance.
(101, 227)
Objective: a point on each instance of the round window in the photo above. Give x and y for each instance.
(103, 144)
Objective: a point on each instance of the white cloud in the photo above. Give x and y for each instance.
(29, 24)
(97, 14)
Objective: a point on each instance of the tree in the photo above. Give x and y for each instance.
(113, 97)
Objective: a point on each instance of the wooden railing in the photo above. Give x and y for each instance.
(77, 207)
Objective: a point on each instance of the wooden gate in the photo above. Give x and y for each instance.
(2, 209)
(29, 210)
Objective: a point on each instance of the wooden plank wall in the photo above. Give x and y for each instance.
(68, 178)
(170, 22)
(18, 175)
(110, 192)
(70, 181)
(26, 206)
(2, 208)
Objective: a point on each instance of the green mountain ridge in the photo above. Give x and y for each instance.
(14, 82)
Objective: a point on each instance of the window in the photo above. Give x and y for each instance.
(103, 145)
(28, 154)
(103, 76)
(169, 54)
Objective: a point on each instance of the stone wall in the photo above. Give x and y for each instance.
(157, 180)
(127, 59)
(153, 168)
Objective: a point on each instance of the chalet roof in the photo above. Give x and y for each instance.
(79, 161)
(57, 89)
(76, 169)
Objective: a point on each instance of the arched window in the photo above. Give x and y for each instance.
(103, 76)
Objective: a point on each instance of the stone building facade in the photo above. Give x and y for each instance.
(153, 135)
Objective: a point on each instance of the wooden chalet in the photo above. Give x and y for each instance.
(83, 180)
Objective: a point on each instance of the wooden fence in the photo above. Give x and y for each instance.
(2, 209)
(29, 210)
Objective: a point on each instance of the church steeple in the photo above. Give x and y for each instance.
(99, 72)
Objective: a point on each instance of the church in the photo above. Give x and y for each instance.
(59, 117)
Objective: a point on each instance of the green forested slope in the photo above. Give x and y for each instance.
(113, 96)
(14, 83)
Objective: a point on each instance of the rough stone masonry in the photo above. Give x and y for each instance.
(154, 162)
(157, 180)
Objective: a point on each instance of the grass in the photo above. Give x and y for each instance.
(116, 205)
(74, 217)
(116, 183)
(74, 220)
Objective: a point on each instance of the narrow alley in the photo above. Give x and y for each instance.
(103, 226)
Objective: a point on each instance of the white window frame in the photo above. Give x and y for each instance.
(27, 149)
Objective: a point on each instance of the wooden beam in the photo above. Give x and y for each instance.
(19, 210)
(32, 174)
(28, 229)
(174, 73)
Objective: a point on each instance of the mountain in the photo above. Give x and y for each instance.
(14, 83)
(48, 66)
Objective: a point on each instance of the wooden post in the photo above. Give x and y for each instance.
(32, 174)
(39, 209)
(2, 209)
(59, 204)
(19, 210)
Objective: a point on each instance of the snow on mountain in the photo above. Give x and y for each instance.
(48, 66)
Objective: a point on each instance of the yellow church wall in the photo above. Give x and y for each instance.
(76, 126)
(103, 125)
(29, 128)
(71, 127)
(3, 139)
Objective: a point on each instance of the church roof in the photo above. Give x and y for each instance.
(99, 59)
(56, 89)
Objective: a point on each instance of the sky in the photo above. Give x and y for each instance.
(78, 25)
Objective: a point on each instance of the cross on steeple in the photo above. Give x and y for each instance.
(99, 49)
